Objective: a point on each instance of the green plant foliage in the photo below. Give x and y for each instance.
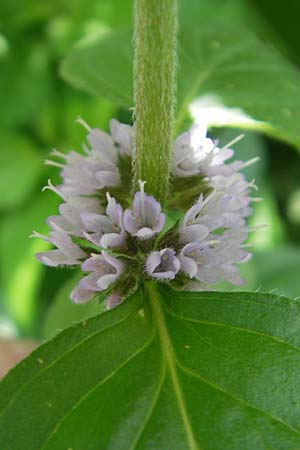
(277, 270)
(81, 68)
(25, 82)
(63, 312)
(3, 46)
(173, 370)
(21, 273)
(20, 164)
(231, 64)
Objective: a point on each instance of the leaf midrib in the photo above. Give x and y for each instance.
(168, 354)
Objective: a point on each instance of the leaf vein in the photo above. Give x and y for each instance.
(238, 399)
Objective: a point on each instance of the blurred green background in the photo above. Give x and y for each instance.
(41, 96)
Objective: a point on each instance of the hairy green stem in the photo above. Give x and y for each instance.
(154, 93)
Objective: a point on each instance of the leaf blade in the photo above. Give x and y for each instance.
(242, 81)
(188, 370)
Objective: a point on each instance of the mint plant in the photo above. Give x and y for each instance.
(154, 223)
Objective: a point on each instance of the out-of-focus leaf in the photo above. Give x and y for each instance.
(170, 370)
(17, 16)
(56, 122)
(3, 46)
(266, 217)
(247, 81)
(63, 313)
(25, 83)
(277, 270)
(93, 67)
(247, 84)
(273, 270)
(20, 165)
(281, 24)
(21, 273)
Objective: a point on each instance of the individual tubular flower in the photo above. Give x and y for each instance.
(105, 270)
(106, 231)
(66, 253)
(163, 264)
(98, 167)
(123, 136)
(69, 219)
(195, 154)
(203, 217)
(237, 189)
(211, 260)
(113, 300)
(145, 219)
(213, 231)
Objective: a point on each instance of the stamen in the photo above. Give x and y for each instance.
(252, 184)
(250, 162)
(86, 150)
(54, 189)
(256, 199)
(56, 152)
(142, 190)
(35, 234)
(83, 123)
(49, 162)
(257, 227)
(233, 141)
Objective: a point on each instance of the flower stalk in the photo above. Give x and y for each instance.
(154, 93)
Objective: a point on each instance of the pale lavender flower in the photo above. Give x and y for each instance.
(98, 168)
(145, 219)
(66, 253)
(238, 197)
(113, 300)
(196, 154)
(123, 136)
(70, 211)
(212, 260)
(203, 217)
(105, 270)
(205, 246)
(163, 264)
(107, 231)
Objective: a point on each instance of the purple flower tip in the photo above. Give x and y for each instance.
(163, 264)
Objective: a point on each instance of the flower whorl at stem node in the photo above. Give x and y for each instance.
(117, 242)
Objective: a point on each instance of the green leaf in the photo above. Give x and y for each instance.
(225, 66)
(25, 75)
(93, 66)
(277, 270)
(170, 370)
(63, 313)
(21, 273)
(4, 46)
(20, 165)
(230, 68)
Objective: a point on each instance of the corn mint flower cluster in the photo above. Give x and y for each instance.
(118, 240)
